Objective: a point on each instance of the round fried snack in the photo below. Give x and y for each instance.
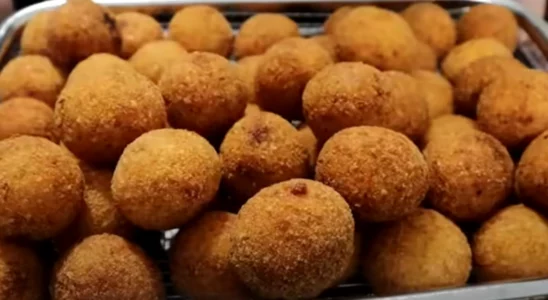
(261, 31)
(328, 43)
(21, 273)
(531, 173)
(259, 150)
(292, 240)
(437, 91)
(491, 21)
(471, 175)
(165, 177)
(31, 76)
(283, 73)
(381, 173)
(201, 28)
(34, 37)
(107, 267)
(136, 29)
(400, 251)
(199, 259)
(497, 259)
(432, 25)
(335, 18)
(310, 142)
(362, 35)
(247, 67)
(446, 125)
(425, 58)
(155, 57)
(26, 116)
(42, 188)
(97, 65)
(466, 53)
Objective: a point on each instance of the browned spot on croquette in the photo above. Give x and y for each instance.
(259, 133)
(299, 189)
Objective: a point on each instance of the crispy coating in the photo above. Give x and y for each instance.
(247, 68)
(136, 29)
(446, 125)
(97, 65)
(471, 175)
(310, 142)
(261, 31)
(106, 267)
(31, 76)
(335, 18)
(328, 43)
(532, 173)
(251, 108)
(41, 188)
(201, 28)
(353, 264)
(377, 37)
(258, 151)
(34, 37)
(423, 251)
(199, 259)
(380, 172)
(283, 73)
(165, 177)
(513, 244)
(292, 240)
(425, 58)
(476, 76)
(466, 53)
(432, 25)
(21, 273)
(437, 91)
(514, 109)
(155, 57)
(489, 21)
(26, 116)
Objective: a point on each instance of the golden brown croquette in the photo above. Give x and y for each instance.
(261, 31)
(106, 267)
(328, 43)
(41, 188)
(446, 125)
(247, 68)
(155, 57)
(437, 92)
(380, 172)
(512, 245)
(136, 29)
(21, 273)
(165, 177)
(335, 18)
(353, 264)
(34, 37)
(26, 116)
(292, 240)
(425, 58)
(310, 142)
(97, 65)
(531, 173)
(423, 251)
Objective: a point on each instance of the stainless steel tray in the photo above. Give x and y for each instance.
(310, 14)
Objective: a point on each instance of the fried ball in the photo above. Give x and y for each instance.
(259, 150)
(34, 37)
(41, 190)
(447, 125)
(136, 29)
(423, 251)
(155, 57)
(26, 116)
(514, 109)
(97, 65)
(531, 173)
(432, 25)
(489, 21)
(292, 240)
(512, 245)
(165, 177)
(377, 37)
(106, 267)
(335, 18)
(353, 264)
(437, 92)
(199, 259)
(327, 42)
(470, 175)
(31, 76)
(251, 109)
(21, 273)
(425, 58)
(466, 53)
(380, 172)
(247, 67)
(310, 142)
(261, 31)
(201, 28)
(283, 73)
(471, 81)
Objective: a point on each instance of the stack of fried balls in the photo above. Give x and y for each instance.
(403, 150)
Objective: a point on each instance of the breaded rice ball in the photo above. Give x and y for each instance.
(261, 31)
(136, 29)
(446, 125)
(423, 251)
(21, 273)
(328, 43)
(476, 76)
(34, 37)
(97, 65)
(377, 37)
(437, 92)
(26, 116)
(310, 142)
(299, 233)
(514, 109)
(353, 264)
(425, 58)
(42, 188)
(199, 259)
(283, 73)
(106, 267)
(31, 76)
(512, 245)
(259, 150)
(432, 25)
(247, 67)
(380, 172)
(489, 21)
(466, 53)
(471, 175)
(155, 57)
(201, 28)
(532, 173)
(335, 18)
(165, 177)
